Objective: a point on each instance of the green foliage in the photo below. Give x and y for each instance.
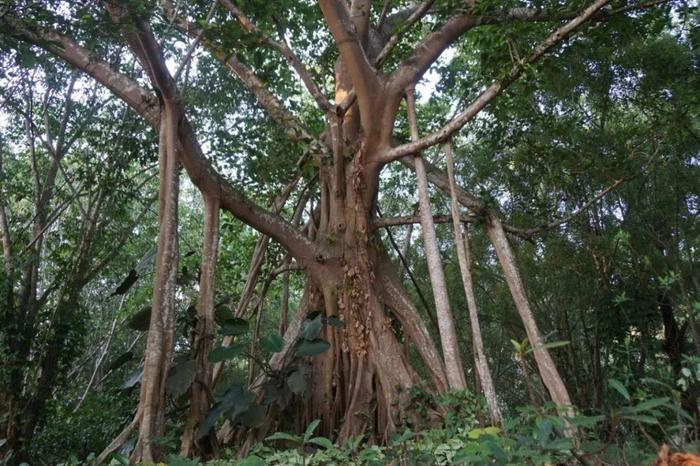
(617, 282)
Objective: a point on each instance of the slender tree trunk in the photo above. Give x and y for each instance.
(159, 346)
(448, 335)
(200, 399)
(547, 369)
(462, 243)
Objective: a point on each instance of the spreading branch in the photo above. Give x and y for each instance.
(425, 54)
(294, 130)
(283, 48)
(386, 222)
(362, 74)
(417, 14)
(439, 179)
(199, 169)
(493, 91)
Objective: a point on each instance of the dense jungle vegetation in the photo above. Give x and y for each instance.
(349, 232)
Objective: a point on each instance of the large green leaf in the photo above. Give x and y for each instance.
(272, 343)
(235, 401)
(311, 348)
(254, 416)
(297, 381)
(617, 385)
(310, 429)
(322, 442)
(133, 379)
(284, 436)
(312, 328)
(252, 460)
(120, 361)
(223, 353)
(141, 320)
(180, 378)
(234, 327)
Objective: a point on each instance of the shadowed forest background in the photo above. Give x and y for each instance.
(351, 232)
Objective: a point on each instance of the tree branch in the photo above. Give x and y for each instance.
(438, 178)
(363, 76)
(428, 51)
(493, 91)
(417, 14)
(294, 130)
(386, 222)
(200, 170)
(283, 48)
(545, 227)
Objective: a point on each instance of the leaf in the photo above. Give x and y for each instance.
(180, 378)
(398, 439)
(177, 460)
(252, 460)
(272, 343)
(656, 382)
(141, 320)
(516, 345)
(553, 344)
(312, 328)
(335, 321)
(223, 353)
(235, 401)
(234, 327)
(560, 444)
(126, 283)
(651, 404)
(120, 459)
(296, 381)
(310, 429)
(617, 385)
(474, 434)
(321, 442)
(254, 416)
(209, 421)
(222, 313)
(274, 393)
(120, 361)
(133, 379)
(311, 348)
(146, 260)
(640, 418)
(284, 436)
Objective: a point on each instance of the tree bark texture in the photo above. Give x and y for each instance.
(462, 244)
(448, 335)
(201, 389)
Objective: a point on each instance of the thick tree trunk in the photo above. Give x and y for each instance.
(462, 244)
(364, 381)
(200, 391)
(448, 335)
